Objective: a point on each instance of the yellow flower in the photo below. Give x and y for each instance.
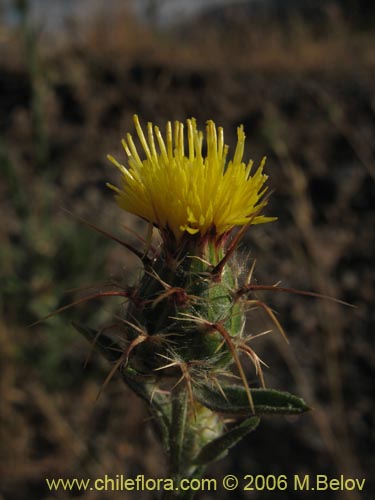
(184, 192)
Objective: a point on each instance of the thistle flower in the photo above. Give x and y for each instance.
(182, 331)
(185, 192)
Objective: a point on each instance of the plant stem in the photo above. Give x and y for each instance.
(177, 432)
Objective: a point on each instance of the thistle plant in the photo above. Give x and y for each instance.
(182, 341)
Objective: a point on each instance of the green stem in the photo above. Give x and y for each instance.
(180, 454)
(177, 432)
(179, 402)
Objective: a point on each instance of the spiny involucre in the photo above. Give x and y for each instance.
(187, 323)
(184, 325)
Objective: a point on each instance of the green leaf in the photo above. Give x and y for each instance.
(112, 352)
(158, 404)
(104, 344)
(236, 403)
(219, 447)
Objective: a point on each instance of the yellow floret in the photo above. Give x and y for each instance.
(186, 192)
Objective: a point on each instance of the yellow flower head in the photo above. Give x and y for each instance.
(184, 192)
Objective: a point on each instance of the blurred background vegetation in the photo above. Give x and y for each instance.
(299, 76)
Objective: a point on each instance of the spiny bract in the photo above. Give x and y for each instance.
(184, 325)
